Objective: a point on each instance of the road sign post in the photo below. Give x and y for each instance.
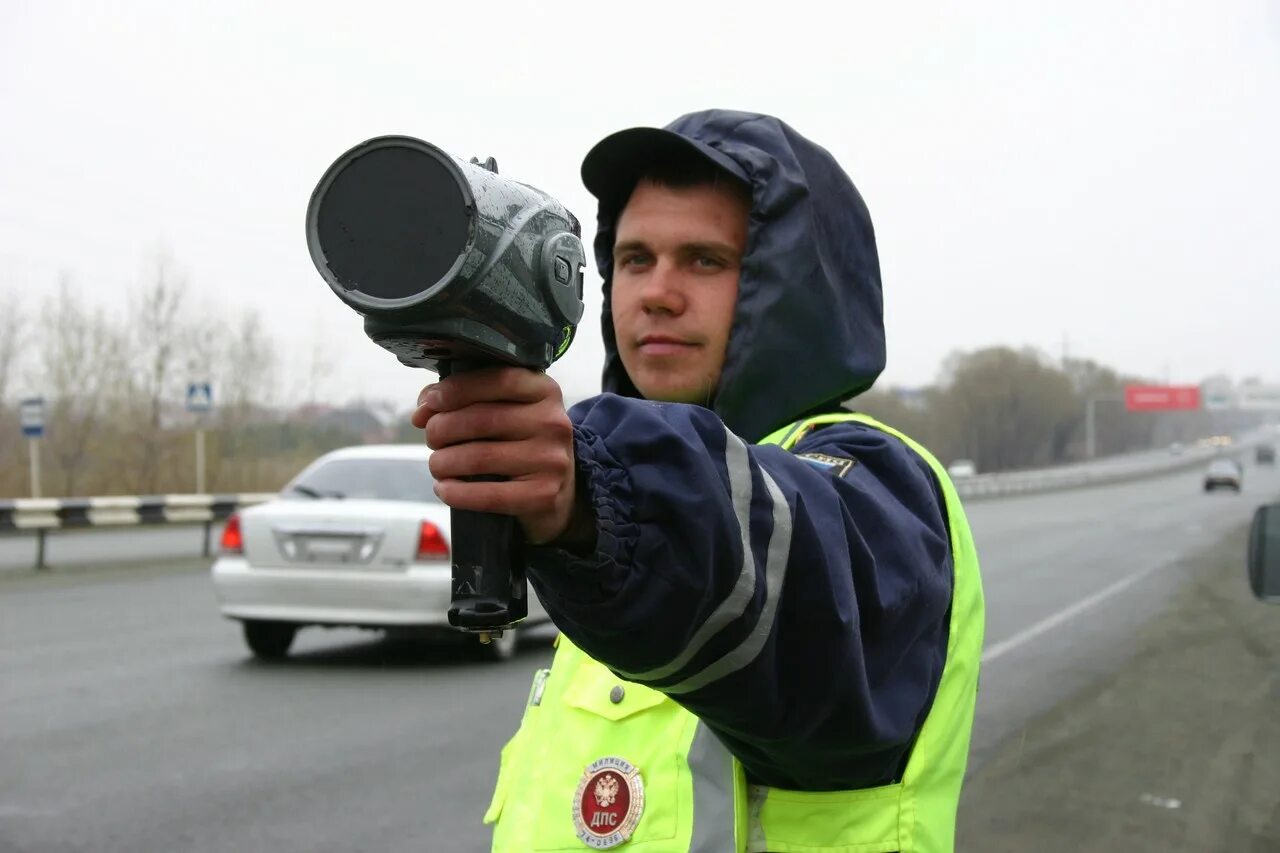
(31, 414)
(200, 403)
(200, 461)
(33, 451)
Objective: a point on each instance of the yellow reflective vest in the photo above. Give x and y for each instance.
(600, 762)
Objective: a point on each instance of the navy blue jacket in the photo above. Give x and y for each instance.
(797, 605)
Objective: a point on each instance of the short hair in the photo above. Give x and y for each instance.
(685, 169)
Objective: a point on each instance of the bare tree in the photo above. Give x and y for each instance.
(1002, 406)
(320, 366)
(204, 352)
(11, 320)
(247, 383)
(81, 366)
(157, 334)
(249, 363)
(12, 465)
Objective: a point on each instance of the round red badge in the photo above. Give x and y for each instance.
(608, 803)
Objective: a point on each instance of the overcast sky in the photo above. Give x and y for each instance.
(1099, 174)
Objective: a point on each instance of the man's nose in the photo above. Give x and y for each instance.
(663, 290)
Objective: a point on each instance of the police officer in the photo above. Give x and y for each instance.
(770, 607)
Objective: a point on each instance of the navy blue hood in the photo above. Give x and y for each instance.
(808, 332)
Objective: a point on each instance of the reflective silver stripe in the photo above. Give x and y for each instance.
(756, 841)
(738, 463)
(775, 573)
(713, 806)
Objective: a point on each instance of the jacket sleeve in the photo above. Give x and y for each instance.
(797, 602)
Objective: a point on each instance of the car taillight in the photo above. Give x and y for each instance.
(431, 544)
(232, 542)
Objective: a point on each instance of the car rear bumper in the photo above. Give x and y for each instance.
(1226, 483)
(415, 596)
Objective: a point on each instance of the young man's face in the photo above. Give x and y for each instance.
(676, 260)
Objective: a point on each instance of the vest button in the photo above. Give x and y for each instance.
(616, 694)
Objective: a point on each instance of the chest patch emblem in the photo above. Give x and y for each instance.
(608, 803)
(838, 465)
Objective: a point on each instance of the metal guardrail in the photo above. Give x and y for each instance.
(42, 515)
(1097, 473)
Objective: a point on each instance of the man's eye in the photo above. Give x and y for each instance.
(632, 260)
(707, 262)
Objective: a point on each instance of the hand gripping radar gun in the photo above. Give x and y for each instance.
(453, 268)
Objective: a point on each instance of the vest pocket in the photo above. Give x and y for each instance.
(505, 763)
(512, 759)
(602, 716)
(867, 820)
(610, 697)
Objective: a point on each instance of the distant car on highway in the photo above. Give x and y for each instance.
(1265, 454)
(1223, 473)
(962, 468)
(357, 539)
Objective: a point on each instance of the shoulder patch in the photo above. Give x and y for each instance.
(837, 465)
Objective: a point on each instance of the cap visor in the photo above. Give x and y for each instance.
(612, 167)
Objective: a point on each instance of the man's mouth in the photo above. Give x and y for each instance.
(657, 345)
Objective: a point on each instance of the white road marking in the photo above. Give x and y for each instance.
(1161, 802)
(1002, 648)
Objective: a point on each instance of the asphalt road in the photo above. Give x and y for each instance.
(132, 720)
(1176, 751)
(1069, 576)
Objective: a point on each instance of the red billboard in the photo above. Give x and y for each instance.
(1161, 398)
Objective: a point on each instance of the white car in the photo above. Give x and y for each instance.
(1223, 472)
(962, 468)
(357, 539)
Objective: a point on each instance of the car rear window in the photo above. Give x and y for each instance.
(376, 479)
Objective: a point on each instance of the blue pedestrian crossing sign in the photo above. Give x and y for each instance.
(199, 397)
(31, 414)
